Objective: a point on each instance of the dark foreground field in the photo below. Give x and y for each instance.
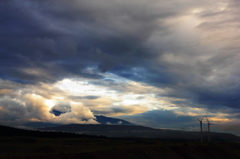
(28, 147)
(22, 144)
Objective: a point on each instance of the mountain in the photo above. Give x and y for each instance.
(56, 112)
(99, 118)
(108, 120)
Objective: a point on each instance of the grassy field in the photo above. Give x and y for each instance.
(34, 147)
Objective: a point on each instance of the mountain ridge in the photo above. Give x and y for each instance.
(110, 120)
(99, 118)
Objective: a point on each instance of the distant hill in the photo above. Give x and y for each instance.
(7, 131)
(88, 128)
(135, 131)
(40, 124)
(99, 118)
(119, 131)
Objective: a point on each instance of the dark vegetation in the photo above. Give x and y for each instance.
(26, 144)
(6, 131)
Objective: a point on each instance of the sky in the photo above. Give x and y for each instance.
(155, 63)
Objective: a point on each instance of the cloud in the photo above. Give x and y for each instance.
(162, 119)
(119, 110)
(61, 108)
(84, 97)
(230, 126)
(79, 114)
(185, 119)
(23, 103)
(72, 36)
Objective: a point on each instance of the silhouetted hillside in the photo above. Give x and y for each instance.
(27, 144)
(10, 131)
(116, 131)
(134, 131)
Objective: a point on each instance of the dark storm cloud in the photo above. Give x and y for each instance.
(145, 73)
(30, 40)
(84, 97)
(38, 34)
